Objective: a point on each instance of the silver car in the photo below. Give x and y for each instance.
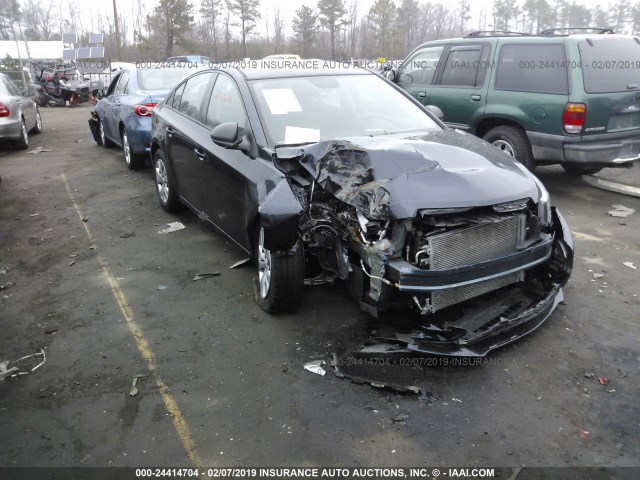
(19, 114)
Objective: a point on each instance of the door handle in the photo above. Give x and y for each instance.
(476, 98)
(169, 131)
(422, 94)
(199, 153)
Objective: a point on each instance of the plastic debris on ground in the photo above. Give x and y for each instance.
(202, 276)
(21, 365)
(134, 389)
(240, 262)
(377, 373)
(621, 211)
(630, 265)
(39, 150)
(401, 417)
(603, 380)
(128, 234)
(3, 270)
(316, 367)
(6, 285)
(172, 227)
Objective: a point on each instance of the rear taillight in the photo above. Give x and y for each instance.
(4, 111)
(573, 117)
(144, 110)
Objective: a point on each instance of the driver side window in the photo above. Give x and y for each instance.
(420, 69)
(225, 104)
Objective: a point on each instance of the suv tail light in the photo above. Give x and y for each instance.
(144, 110)
(573, 117)
(4, 111)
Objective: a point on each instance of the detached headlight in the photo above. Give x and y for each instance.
(544, 204)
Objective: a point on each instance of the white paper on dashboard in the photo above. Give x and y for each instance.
(301, 135)
(281, 101)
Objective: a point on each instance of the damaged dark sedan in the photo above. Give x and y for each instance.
(336, 175)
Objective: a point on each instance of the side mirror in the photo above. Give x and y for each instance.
(226, 135)
(389, 75)
(436, 112)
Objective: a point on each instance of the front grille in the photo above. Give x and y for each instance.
(445, 298)
(472, 245)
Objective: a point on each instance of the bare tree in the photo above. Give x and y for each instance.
(305, 28)
(382, 18)
(39, 18)
(407, 21)
(211, 10)
(9, 14)
(278, 31)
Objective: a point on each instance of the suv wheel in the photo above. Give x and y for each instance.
(581, 168)
(512, 141)
(280, 277)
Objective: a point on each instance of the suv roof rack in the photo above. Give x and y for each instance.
(568, 30)
(493, 33)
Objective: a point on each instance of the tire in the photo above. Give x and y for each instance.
(165, 184)
(23, 142)
(103, 140)
(134, 161)
(279, 281)
(513, 141)
(38, 127)
(581, 168)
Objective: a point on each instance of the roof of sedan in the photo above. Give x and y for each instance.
(262, 69)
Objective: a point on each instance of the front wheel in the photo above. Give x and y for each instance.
(512, 141)
(581, 168)
(280, 279)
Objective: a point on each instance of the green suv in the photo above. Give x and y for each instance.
(554, 97)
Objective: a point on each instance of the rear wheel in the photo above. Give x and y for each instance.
(134, 161)
(165, 185)
(512, 141)
(38, 126)
(280, 278)
(581, 168)
(23, 142)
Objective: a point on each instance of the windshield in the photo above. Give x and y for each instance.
(311, 109)
(160, 78)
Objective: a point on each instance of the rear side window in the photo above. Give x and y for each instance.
(532, 68)
(461, 68)
(610, 64)
(123, 82)
(193, 94)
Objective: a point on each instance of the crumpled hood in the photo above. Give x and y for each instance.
(389, 177)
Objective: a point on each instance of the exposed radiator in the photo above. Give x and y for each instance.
(472, 245)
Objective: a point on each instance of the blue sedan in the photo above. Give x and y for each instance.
(122, 117)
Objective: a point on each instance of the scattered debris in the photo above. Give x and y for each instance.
(240, 262)
(51, 330)
(172, 227)
(162, 287)
(588, 375)
(39, 150)
(21, 365)
(630, 265)
(316, 367)
(128, 234)
(401, 418)
(134, 390)
(85, 219)
(3, 270)
(621, 211)
(603, 380)
(515, 471)
(34, 215)
(137, 195)
(6, 285)
(379, 375)
(584, 434)
(456, 400)
(202, 276)
(72, 262)
(597, 275)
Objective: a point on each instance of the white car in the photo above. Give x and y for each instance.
(19, 114)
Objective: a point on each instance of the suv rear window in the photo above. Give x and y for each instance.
(610, 64)
(532, 68)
